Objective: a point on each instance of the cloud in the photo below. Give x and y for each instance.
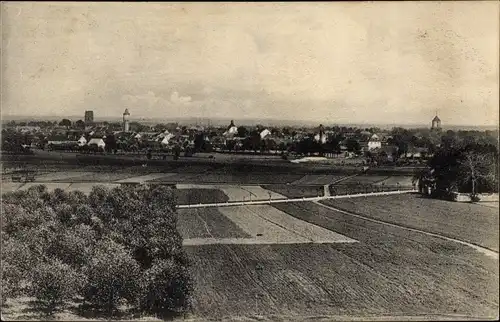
(175, 98)
(151, 99)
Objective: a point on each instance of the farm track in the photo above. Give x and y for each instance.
(289, 200)
(486, 251)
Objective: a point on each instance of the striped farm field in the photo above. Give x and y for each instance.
(196, 196)
(366, 179)
(234, 192)
(207, 223)
(469, 222)
(296, 191)
(100, 177)
(60, 176)
(318, 179)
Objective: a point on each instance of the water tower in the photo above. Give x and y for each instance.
(126, 115)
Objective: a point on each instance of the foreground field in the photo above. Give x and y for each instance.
(389, 271)
(296, 191)
(196, 196)
(469, 222)
(259, 224)
(234, 192)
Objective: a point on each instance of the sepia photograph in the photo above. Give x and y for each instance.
(250, 161)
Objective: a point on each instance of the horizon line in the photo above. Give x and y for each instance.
(373, 124)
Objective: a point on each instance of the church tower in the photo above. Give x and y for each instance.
(126, 126)
(436, 123)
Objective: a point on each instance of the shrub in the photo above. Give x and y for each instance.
(53, 283)
(83, 214)
(73, 245)
(11, 282)
(111, 276)
(64, 213)
(475, 198)
(16, 265)
(17, 219)
(166, 286)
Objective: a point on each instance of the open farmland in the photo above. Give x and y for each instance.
(86, 187)
(234, 192)
(196, 196)
(389, 270)
(318, 179)
(469, 222)
(102, 176)
(365, 179)
(395, 180)
(236, 178)
(296, 191)
(261, 224)
(347, 189)
(301, 260)
(60, 176)
(143, 178)
(207, 223)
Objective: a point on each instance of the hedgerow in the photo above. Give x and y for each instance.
(110, 248)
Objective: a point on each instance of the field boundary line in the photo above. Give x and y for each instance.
(484, 250)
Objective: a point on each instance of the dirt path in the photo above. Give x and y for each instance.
(267, 202)
(486, 251)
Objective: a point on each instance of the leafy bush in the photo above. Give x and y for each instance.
(17, 262)
(72, 246)
(53, 283)
(166, 287)
(111, 276)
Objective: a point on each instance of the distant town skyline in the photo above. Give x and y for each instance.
(330, 63)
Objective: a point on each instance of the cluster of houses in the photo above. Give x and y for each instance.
(102, 137)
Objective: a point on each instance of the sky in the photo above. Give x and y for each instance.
(338, 62)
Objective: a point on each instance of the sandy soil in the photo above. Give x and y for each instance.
(269, 225)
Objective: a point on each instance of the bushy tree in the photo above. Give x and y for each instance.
(472, 168)
(53, 283)
(16, 266)
(165, 287)
(112, 275)
(65, 122)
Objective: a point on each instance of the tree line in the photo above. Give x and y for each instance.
(110, 248)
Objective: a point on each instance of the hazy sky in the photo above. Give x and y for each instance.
(332, 62)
